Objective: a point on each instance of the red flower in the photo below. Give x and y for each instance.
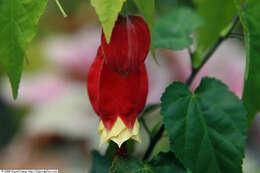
(115, 97)
(112, 95)
(129, 45)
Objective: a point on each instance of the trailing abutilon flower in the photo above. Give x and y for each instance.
(129, 45)
(117, 100)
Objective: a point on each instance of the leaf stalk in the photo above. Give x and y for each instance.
(61, 9)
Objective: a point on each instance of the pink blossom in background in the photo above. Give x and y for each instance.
(227, 65)
(74, 53)
(159, 77)
(35, 89)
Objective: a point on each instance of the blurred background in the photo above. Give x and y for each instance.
(52, 124)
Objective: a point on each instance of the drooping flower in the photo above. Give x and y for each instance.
(117, 100)
(129, 45)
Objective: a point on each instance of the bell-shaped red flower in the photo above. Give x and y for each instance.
(129, 45)
(117, 100)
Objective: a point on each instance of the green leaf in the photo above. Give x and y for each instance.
(18, 19)
(188, 171)
(147, 8)
(10, 120)
(128, 8)
(162, 163)
(107, 11)
(250, 18)
(164, 6)
(166, 163)
(111, 151)
(173, 30)
(207, 129)
(218, 15)
(127, 164)
(100, 163)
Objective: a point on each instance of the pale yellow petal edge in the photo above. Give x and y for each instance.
(119, 133)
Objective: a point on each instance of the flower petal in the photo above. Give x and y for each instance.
(129, 45)
(119, 132)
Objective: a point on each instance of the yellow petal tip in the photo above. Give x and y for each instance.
(119, 133)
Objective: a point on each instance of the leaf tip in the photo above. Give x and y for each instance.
(14, 82)
(61, 9)
(15, 88)
(154, 56)
(108, 34)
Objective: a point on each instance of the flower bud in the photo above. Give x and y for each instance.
(129, 45)
(117, 100)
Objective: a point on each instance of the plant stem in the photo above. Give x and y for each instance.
(205, 59)
(61, 9)
(153, 142)
(207, 56)
(237, 34)
(190, 52)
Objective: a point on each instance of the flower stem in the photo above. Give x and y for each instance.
(195, 71)
(61, 9)
(153, 142)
